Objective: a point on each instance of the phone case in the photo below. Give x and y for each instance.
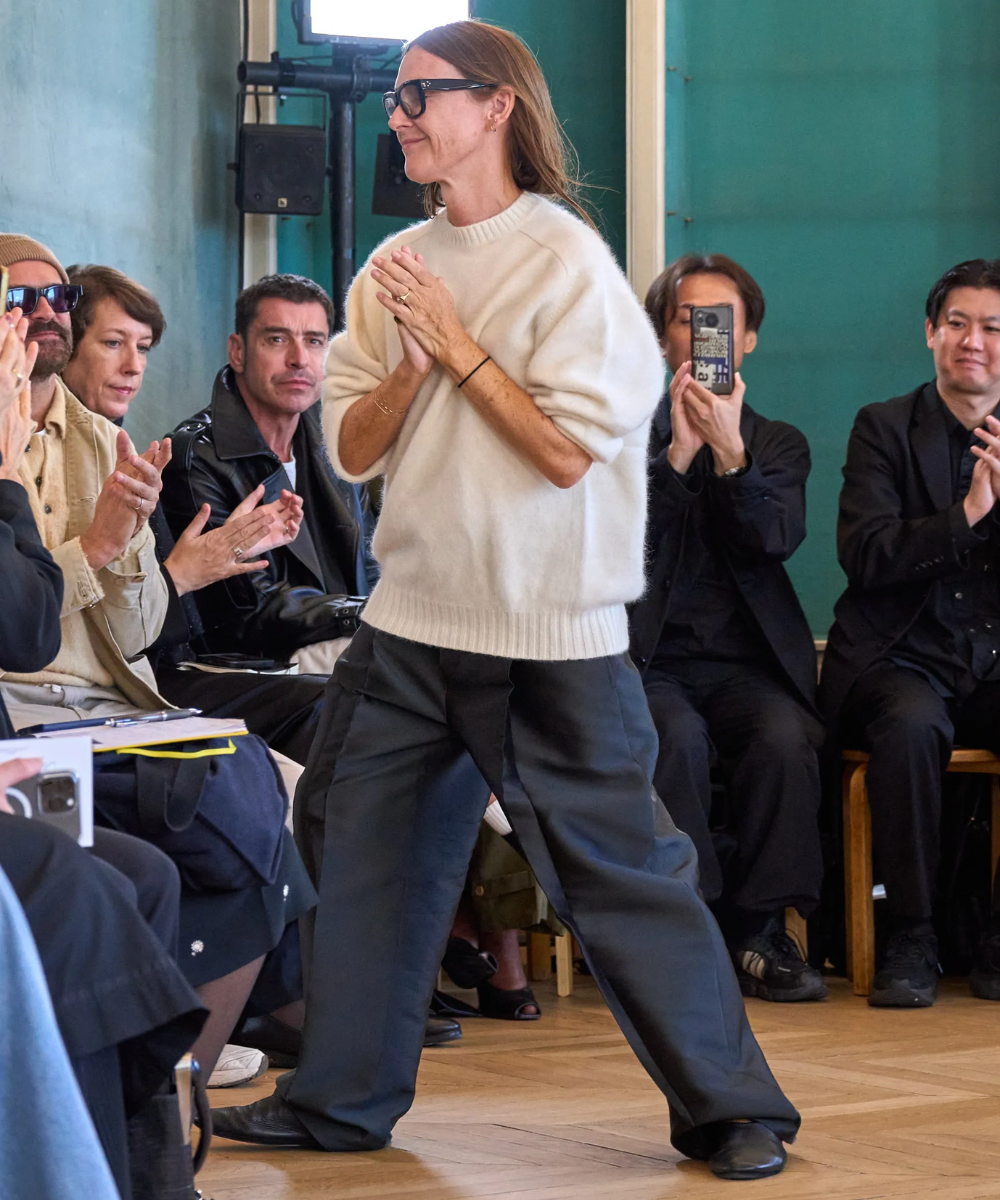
(712, 347)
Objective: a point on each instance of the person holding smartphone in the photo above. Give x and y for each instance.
(727, 657)
(498, 369)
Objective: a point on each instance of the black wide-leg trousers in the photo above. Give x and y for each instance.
(387, 828)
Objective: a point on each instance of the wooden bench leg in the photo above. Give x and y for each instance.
(539, 956)
(858, 880)
(995, 820)
(564, 965)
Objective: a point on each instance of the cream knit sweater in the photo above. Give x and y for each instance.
(478, 550)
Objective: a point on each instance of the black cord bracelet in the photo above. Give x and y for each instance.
(474, 370)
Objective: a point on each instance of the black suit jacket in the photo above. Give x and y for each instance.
(898, 531)
(759, 520)
(219, 456)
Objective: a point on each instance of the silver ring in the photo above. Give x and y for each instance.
(237, 552)
(402, 299)
(18, 379)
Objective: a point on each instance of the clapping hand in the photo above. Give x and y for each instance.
(118, 512)
(141, 475)
(200, 558)
(16, 360)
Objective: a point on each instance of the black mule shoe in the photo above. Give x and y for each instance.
(467, 966)
(747, 1150)
(507, 1004)
(267, 1122)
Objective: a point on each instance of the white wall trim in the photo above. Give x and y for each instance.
(260, 230)
(645, 140)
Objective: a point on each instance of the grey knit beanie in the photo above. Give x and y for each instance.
(18, 247)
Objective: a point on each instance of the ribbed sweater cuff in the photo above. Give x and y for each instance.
(552, 636)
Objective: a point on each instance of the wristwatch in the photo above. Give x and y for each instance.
(735, 472)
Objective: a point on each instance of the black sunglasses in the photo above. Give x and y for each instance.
(411, 96)
(62, 297)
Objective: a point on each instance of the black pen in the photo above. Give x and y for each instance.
(105, 722)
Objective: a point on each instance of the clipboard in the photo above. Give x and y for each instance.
(156, 733)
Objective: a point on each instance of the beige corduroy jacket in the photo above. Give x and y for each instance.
(124, 604)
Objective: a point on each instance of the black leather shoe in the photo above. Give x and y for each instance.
(267, 1122)
(747, 1150)
(280, 1042)
(438, 1031)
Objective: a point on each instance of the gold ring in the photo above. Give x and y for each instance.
(402, 299)
(138, 507)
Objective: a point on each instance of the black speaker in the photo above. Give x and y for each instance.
(393, 195)
(282, 169)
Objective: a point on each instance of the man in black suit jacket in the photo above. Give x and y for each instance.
(728, 660)
(913, 660)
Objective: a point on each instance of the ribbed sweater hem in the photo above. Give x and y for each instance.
(552, 636)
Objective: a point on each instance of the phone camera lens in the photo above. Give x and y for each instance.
(711, 320)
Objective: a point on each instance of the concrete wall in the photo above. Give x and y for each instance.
(115, 130)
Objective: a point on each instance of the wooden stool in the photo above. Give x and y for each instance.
(860, 910)
(540, 960)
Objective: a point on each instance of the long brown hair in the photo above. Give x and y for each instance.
(540, 156)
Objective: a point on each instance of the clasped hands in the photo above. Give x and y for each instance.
(424, 308)
(699, 418)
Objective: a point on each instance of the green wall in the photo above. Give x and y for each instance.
(115, 129)
(845, 154)
(581, 48)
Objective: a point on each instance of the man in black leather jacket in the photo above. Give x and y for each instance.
(728, 660)
(263, 427)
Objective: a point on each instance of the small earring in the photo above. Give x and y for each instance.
(491, 127)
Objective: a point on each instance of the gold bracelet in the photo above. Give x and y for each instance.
(389, 412)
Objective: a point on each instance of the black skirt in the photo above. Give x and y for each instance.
(221, 931)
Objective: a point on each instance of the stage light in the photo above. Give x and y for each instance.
(376, 21)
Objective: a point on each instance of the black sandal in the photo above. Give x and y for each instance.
(467, 966)
(507, 1005)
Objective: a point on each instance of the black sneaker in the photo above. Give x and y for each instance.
(984, 981)
(908, 977)
(770, 966)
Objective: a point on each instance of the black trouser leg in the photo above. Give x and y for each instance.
(904, 724)
(570, 749)
(628, 891)
(978, 724)
(682, 776)
(388, 842)
(100, 1080)
(154, 877)
(284, 710)
(770, 741)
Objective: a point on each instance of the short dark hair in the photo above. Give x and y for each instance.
(976, 273)
(105, 283)
(296, 288)
(661, 299)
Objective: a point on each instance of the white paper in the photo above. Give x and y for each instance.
(63, 754)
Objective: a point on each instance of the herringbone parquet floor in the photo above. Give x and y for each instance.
(894, 1104)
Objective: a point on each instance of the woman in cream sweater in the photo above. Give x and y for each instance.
(498, 370)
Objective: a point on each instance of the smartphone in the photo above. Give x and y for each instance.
(49, 796)
(712, 347)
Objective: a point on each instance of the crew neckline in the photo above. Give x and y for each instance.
(481, 232)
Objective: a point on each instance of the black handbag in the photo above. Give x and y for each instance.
(218, 811)
(159, 1138)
